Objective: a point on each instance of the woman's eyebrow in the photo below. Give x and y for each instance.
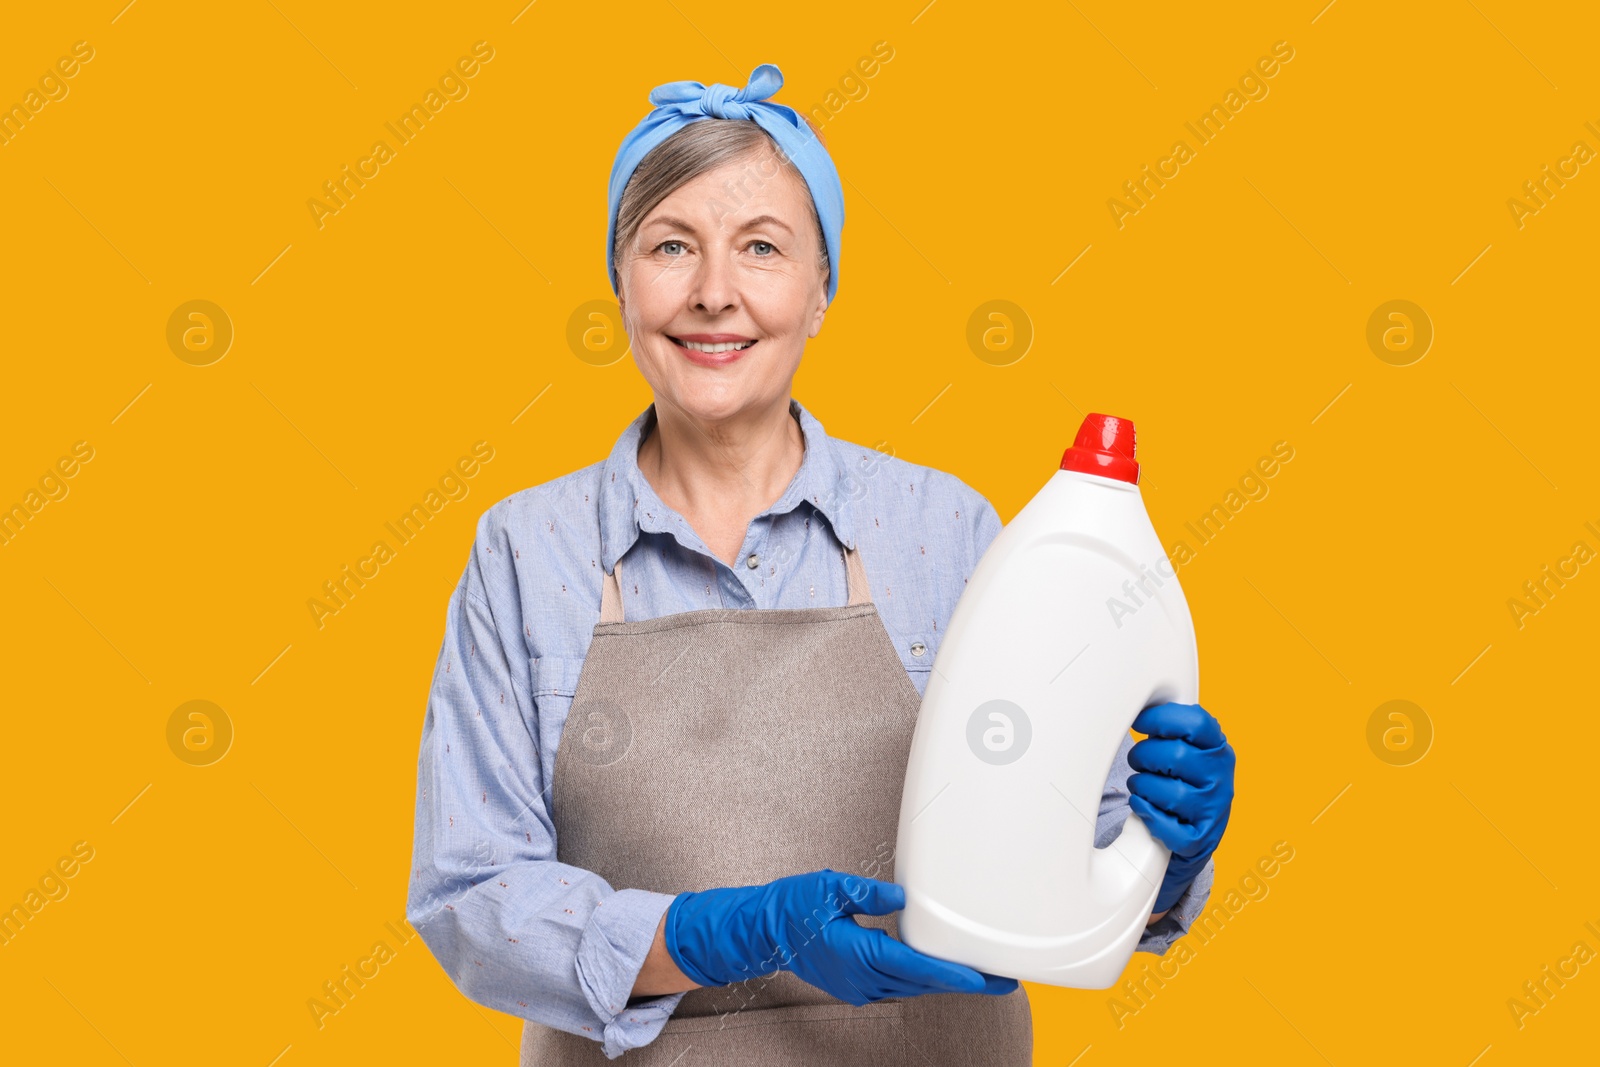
(670, 222)
(679, 224)
(769, 220)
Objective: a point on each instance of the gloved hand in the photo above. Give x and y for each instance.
(802, 924)
(1187, 793)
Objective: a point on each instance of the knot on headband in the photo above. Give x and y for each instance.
(720, 101)
(679, 103)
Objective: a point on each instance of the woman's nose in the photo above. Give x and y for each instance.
(715, 287)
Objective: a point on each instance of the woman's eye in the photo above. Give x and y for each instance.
(764, 249)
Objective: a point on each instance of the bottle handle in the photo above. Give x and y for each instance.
(1134, 863)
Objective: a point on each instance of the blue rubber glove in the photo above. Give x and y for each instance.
(803, 924)
(1187, 793)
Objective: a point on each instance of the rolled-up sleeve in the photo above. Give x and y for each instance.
(515, 929)
(1114, 811)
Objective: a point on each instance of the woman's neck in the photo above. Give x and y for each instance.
(721, 475)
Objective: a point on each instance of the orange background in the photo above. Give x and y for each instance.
(1229, 313)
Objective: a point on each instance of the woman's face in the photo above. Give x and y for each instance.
(731, 256)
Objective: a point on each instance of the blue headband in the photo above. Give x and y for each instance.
(680, 103)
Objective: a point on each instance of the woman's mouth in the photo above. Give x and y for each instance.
(713, 353)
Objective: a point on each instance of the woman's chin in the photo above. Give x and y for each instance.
(714, 401)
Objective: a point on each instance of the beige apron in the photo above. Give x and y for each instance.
(733, 746)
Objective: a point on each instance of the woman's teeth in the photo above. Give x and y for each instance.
(728, 347)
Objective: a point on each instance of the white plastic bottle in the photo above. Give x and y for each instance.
(1072, 623)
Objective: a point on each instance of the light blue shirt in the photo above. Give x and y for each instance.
(525, 934)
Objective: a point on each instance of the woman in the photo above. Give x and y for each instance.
(661, 765)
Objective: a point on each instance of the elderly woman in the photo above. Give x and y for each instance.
(662, 760)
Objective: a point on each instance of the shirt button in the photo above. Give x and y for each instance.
(918, 648)
(753, 561)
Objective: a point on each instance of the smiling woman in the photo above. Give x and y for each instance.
(677, 687)
(719, 300)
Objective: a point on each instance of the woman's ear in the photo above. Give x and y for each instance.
(816, 319)
(820, 311)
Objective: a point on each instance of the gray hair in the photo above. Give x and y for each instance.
(697, 148)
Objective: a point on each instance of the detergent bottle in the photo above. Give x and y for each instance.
(1071, 624)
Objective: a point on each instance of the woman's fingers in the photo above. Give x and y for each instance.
(998, 985)
(1181, 837)
(1176, 759)
(869, 962)
(905, 967)
(1190, 722)
(1171, 795)
(856, 895)
(970, 979)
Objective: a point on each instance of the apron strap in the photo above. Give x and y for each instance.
(611, 595)
(855, 579)
(856, 576)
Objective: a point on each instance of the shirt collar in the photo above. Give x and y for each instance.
(629, 504)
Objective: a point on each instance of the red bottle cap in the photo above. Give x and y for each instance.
(1105, 446)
